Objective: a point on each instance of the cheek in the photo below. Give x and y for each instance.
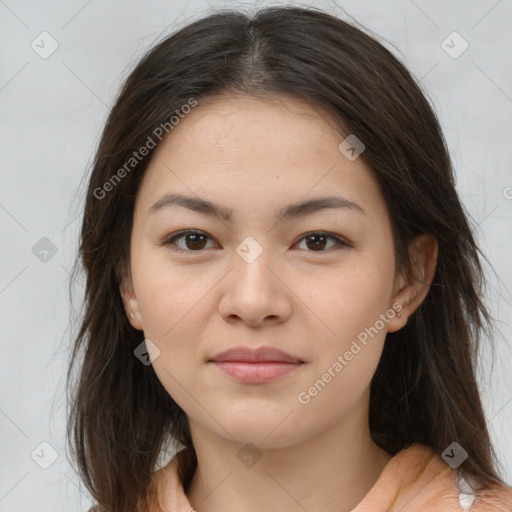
(349, 300)
(346, 356)
(166, 296)
(339, 387)
(355, 310)
(167, 301)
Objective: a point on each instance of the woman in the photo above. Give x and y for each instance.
(281, 282)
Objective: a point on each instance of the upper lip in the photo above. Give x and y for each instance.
(250, 355)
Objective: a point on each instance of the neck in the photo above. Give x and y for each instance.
(331, 471)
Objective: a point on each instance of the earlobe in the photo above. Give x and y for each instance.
(130, 302)
(423, 253)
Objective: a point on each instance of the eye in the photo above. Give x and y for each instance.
(194, 241)
(317, 240)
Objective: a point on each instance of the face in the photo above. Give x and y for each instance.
(317, 283)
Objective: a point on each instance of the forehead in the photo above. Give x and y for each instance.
(242, 147)
(291, 118)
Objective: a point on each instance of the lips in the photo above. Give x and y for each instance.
(259, 355)
(256, 366)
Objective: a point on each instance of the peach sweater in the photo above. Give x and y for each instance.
(414, 480)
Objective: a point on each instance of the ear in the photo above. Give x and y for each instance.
(423, 252)
(130, 301)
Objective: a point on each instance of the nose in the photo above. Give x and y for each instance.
(255, 291)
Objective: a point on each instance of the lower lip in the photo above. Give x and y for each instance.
(256, 373)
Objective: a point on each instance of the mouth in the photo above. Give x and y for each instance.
(256, 373)
(259, 355)
(256, 366)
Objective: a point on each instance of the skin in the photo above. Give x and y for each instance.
(255, 157)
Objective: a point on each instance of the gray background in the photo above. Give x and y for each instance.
(51, 113)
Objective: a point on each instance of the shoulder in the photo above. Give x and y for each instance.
(165, 491)
(418, 479)
(491, 499)
(495, 499)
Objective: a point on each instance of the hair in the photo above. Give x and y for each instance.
(424, 389)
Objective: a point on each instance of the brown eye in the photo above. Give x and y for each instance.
(193, 241)
(318, 240)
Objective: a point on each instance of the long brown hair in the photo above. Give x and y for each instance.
(424, 389)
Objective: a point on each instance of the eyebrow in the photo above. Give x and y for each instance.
(293, 210)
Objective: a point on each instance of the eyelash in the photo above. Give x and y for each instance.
(180, 234)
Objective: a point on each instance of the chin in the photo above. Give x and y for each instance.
(265, 432)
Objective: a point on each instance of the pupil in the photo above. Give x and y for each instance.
(322, 244)
(195, 241)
